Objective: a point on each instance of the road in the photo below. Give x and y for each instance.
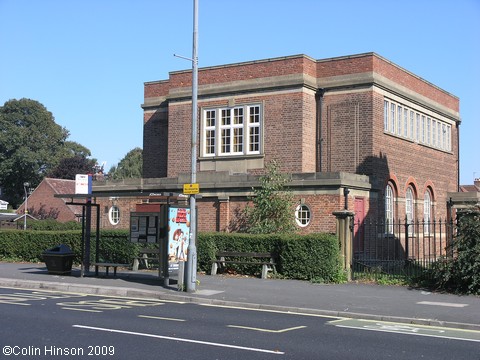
(44, 324)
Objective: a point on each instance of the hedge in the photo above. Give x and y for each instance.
(313, 257)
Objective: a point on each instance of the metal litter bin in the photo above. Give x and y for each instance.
(59, 260)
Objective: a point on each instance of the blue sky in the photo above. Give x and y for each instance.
(87, 60)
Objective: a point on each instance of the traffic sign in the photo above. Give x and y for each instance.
(190, 189)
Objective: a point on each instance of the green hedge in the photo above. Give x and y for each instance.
(312, 257)
(29, 245)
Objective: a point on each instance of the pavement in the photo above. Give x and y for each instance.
(350, 300)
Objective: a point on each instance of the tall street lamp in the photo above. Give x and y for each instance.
(26, 185)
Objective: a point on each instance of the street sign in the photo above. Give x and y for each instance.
(190, 189)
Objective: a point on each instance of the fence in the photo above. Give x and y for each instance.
(399, 248)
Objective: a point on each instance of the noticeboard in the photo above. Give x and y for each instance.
(144, 227)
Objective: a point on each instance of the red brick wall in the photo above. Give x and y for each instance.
(43, 196)
(155, 143)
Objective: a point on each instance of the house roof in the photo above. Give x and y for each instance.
(63, 186)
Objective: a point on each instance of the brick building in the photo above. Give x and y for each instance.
(42, 202)
(355, 131)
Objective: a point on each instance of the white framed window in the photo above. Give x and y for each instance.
(114, 215)
(409, 208)
(209, 132)
(428, 130)
(418, 127)
(302, 215)
(392, 118)
(427, 211)
(386, 106)
(412, 124)
(389, 209)
(404, 122)
(231, 131)
(399, 120)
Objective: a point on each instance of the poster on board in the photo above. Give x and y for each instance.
(144, 227)
(178, 233)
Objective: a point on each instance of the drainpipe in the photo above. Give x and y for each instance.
(458, 156)
(319, 98)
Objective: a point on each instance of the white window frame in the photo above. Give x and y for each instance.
(114, 215)
(389, 208)
(303, 215)
(427, 211)
(405, 122)
(232, 131)
(410, 207)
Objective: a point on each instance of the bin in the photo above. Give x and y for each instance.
(59, 259)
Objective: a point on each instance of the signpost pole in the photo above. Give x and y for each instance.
(191, 270)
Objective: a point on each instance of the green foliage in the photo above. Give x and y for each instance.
(70, 166)
(72, 148)
(272, 204)
(460, 273)
(51, 224)
(30, 144)
(131, 166)
(29, 245)
(313, 257)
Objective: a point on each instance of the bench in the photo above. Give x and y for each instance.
(145, 256)
(266, 259)
(108, 265)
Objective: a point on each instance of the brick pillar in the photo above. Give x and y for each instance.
(223, 213)
(344, 233)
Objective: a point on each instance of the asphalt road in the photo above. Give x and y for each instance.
(46, 325)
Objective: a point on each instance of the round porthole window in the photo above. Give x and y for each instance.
(302, 215)
(114, 215)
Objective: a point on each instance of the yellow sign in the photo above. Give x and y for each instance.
(189, 189)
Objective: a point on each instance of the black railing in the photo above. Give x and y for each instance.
(403, 248)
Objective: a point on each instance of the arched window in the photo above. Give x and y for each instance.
(302, 215)
(427, 210)
(114, 215)
(409, 208)
(389, 208)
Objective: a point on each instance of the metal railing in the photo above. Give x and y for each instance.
(404, 248)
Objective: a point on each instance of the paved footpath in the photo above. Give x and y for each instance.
(388, 303)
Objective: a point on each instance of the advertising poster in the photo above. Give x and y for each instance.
(178, 233)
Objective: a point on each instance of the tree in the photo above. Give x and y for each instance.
(460, 272)
(131, 166)
(31, 144)
(72, 148)
(272, 210)
(70, 166)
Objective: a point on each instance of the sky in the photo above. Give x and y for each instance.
(86, 61)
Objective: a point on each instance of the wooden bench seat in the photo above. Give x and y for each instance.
(108, 265)
(145, 255)
(265, 259)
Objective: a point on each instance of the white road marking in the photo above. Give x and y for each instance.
(84, 310)
(434, 303)
(267, 330)
(409, 329)
(179, 339)
(159, 318)
(273, 311)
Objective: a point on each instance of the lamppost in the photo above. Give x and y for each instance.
(25, 210)
(191, 265)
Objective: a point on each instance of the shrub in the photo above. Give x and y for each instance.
(314, 257)
(460, 273)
